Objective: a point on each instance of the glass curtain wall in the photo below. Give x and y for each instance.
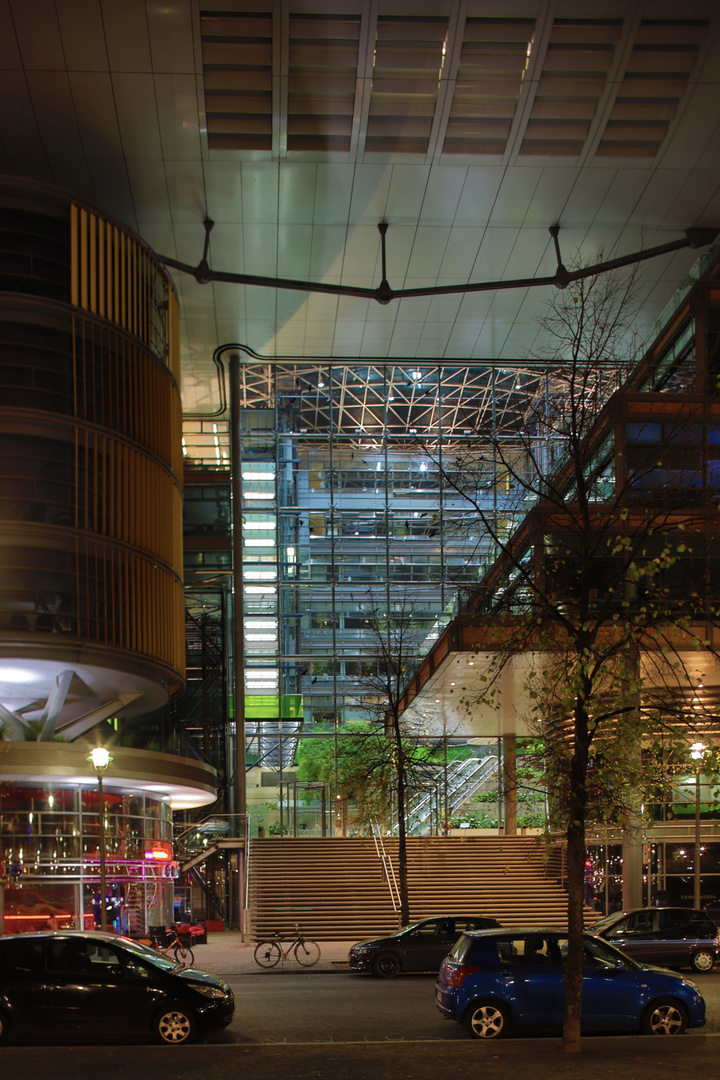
(350, 523)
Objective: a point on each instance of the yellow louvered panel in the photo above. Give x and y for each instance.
(323, 63)
(656, 78)
(116, 278)
(490, 76)
(579, 57)
(409, 56)
(237, 56)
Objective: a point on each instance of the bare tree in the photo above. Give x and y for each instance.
(402, 756)
(602, 584)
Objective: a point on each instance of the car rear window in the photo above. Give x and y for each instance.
(462, 949)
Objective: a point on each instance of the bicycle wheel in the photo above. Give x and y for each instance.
(184, 955)
(267, 954)
(307, 952)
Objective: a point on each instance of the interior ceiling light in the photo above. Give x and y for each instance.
(203, 274)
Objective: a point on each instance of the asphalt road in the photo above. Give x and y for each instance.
(307, 1008)
(339, 1026)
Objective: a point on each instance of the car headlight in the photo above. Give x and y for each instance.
(209, 991)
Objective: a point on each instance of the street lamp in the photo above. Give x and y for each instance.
(697, 752)
(101, 759)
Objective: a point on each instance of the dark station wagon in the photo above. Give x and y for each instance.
(422, 946)
(666, 936)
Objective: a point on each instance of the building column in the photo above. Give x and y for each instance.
(632, 865)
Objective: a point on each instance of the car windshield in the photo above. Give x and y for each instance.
(606, 954)
(409, 928)
(609, 920)
(149, 955)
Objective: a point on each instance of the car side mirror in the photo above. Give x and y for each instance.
(619, 965)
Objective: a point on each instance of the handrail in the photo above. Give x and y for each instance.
(387, 867)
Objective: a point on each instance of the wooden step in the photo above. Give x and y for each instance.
(336, 887)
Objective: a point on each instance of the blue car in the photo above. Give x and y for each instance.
(495, 982)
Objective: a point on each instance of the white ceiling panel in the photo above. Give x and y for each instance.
(82, 34)
(408, 185)
(479, 194)
(687, 147)
(111, 187)
(171, 36)
(126, 34)
(226, 251)
(72, 174)
(515, 196)
(370, 188)
(428, 249)
(550, 197)
(260, 192)
(9, 50)
(460, 254)
(38, 35)
(296, 193)
(294, 242)
(18, 127)
(651, 208)
(54, 113)
(494, 253)
(533, 255)
(622, 196)
(442, 195)
(260, 250)
(223, 191)
(186, 192)
(326, 256)
(177, 111)
(94, 106)
(137, 115)
(148, 184)
(333, 194)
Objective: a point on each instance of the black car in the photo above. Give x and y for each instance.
(667, 936)
(94, 984)
(422, 946)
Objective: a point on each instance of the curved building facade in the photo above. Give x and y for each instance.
(91, 593)
(90, 468)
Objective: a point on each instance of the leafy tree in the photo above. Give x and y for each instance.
(600, 589)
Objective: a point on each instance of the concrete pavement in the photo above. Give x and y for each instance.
(226, 954)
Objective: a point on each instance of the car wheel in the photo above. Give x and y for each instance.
(664, 1017)
(703, 960)
(386, 965)
(175, 1025)
(487, 1020)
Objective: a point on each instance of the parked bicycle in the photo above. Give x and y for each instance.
(270, 952)
(179, 946)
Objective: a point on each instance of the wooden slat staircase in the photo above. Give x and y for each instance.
(335, 888)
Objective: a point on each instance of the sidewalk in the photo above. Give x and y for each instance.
(226, 954)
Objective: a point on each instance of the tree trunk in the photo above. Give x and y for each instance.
(577, 805)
